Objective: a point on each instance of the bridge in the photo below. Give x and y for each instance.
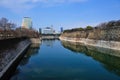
(50, 36)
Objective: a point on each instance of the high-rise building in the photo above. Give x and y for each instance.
(61, 29)
(40, 31)
(27, 23)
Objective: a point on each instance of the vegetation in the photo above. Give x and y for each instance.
(9, 30)
(89, 28)
(105, 25)
(110, 24)
(5, 25)
(75, 29)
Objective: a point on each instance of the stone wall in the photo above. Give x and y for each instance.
(107, 38)
(109, 34)
(9, 57)
(35, 40)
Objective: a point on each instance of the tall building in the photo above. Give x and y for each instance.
(27, 23)
(61, 29)
(40, 31)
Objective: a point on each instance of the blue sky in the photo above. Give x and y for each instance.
(65, 13)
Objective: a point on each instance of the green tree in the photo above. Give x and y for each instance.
(89, 27)
(81, 29)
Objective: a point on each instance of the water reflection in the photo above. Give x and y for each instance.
(110, 59)
(32, 51)
(55, 62)
(48, 42)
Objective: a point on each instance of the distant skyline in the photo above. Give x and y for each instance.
(61, 13)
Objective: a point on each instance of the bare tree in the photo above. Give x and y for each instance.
(3, 23)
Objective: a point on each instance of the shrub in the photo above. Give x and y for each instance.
(89, 28)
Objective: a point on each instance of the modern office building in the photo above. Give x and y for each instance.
(61, 29)
(40, 30)
(48, 30)
(27, 23)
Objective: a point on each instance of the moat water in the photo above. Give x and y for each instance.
(57, 60)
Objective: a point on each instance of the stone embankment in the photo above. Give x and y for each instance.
(10, 57)
(50, 36)
(106, 38)
(35, 40)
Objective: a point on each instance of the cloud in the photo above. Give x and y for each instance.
(19, 5)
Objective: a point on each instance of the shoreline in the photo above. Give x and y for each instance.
(6, 72)
(115, 45)
(9, 67)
